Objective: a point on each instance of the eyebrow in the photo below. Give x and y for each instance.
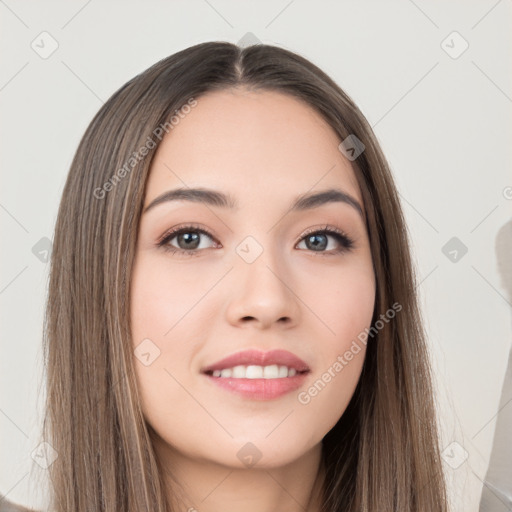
(222, 200)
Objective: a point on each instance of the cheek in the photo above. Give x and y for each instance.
(345, 305)
(160, 299)
(326, 396)
(343, 301)
(162, 296)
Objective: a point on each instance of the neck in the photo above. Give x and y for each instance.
(205, 486)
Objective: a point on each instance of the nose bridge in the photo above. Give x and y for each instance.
(262, 288)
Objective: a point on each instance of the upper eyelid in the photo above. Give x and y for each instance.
(176, 231)
(171, 233)
(322, 229)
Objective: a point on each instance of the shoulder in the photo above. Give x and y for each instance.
(8, 506)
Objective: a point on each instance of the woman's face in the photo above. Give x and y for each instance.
(257, 275)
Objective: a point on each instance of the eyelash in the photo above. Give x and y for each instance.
(346, 243)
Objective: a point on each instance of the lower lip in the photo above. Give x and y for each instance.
(260, 389)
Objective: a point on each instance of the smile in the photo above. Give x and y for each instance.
(257, 375)
(255, 372)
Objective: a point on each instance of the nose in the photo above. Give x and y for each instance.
(262, 293)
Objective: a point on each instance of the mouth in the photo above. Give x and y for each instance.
(259, 375)
(273, 371)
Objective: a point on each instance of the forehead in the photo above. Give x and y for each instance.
(256, 144)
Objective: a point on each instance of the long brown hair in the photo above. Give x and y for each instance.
(382, 454)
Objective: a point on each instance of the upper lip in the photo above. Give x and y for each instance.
(259, 358)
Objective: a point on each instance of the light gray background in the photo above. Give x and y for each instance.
(444, 124)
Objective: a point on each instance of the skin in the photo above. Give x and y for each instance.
(264, 149)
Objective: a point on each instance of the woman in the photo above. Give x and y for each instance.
(232, 320)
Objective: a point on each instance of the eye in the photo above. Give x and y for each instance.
(187, 240)
(318, 240)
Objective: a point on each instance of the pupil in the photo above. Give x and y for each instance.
(322, 244)
(188, 237)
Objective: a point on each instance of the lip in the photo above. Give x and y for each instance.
(259, 358)
(260, 389)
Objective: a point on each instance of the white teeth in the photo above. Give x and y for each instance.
(256, 372)
(271, 372)
(283, 371)
(239, 372)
